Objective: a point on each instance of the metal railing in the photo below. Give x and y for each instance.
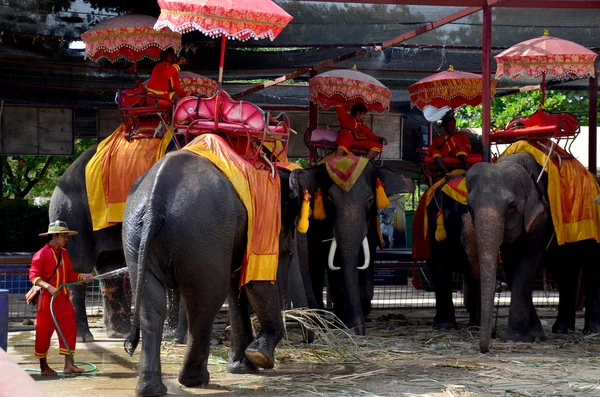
(395, 287)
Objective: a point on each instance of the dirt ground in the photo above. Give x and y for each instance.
(400, 356)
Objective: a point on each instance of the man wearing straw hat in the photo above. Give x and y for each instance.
(50, 268)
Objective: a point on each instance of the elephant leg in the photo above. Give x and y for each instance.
(153, 310)
(78, 293)
(567, 286)
(523, 323)
(200, 320)
(117, 307)
(441, 275)
(592, 297)
(317, 263)
(182, 324)
(173, 303)
(264, 298)
(241, 330)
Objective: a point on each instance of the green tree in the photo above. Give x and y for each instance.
(36, 176)
(504, 109)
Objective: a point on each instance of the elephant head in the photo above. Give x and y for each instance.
(506, 204)
(347, 237)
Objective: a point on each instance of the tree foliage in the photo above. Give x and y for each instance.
(504, 109)
(36, 176)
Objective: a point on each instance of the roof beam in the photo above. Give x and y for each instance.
(388, 43)
(480, 3)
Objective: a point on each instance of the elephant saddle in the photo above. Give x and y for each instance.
(571, 192)
(111, 172)
(454, 187)
(261, 195)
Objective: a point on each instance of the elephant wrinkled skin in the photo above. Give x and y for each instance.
(185, 227)
(340, 242)
(511, 213)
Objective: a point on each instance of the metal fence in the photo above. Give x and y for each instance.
(399, 283)
(14, 276)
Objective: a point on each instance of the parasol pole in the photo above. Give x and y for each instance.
(221, 61)
(220, 81)
(543, 88)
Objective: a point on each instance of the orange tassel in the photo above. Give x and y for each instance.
(319, 211)
(304, 213)
(380, 197)
(440, 231)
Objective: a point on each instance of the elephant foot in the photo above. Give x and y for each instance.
(528, 336)
(119, 329)
(591, 328)
(116, 335)
(241, 367)
(562, 327)
(84, 336)
(194, 380)
(150, 387)
(445, 326)
(308, 336)
(360, 330)
(260, 358)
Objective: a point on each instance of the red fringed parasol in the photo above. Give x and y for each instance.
(347, 87)
(131, 37)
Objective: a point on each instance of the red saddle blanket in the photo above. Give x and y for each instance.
(456, 189)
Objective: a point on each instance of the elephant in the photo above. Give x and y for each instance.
(511, 213)
(458, 251)
(347, 238)
(185, 227)
(100, 250)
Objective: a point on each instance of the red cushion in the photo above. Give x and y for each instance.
(471, 159)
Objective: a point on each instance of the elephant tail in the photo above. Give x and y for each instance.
(151, 221)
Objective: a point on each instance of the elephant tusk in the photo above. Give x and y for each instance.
(332, 249)
(365, 246)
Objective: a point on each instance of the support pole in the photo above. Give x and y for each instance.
(593, 117)
(386, 44)
(486, 66)
(313, 109)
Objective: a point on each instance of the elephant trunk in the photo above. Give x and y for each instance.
(353, 315)
(489, 228)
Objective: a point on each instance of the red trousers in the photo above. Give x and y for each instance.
(345, 141)
(44, 325)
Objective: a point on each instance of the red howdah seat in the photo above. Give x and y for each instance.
(540, 125)
(138, 103)
(246, 126)
(323, 141)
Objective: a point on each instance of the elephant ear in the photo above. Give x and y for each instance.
(535, 205)
(310, 178)
(394, 182)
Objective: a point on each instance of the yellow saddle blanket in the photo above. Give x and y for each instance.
(111, 172)
(571, 192)
(260, 194)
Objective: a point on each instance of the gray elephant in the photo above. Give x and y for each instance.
(457, 251)
(511, 213)
(346, 240)
(186, 227)
(100, 250)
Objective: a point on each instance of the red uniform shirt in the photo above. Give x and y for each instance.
(165, 79)
(42, 266)
(359, 130)
(450, 145)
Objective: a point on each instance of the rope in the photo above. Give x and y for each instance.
(60, 333)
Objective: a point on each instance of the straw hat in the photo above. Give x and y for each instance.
(58, 227)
